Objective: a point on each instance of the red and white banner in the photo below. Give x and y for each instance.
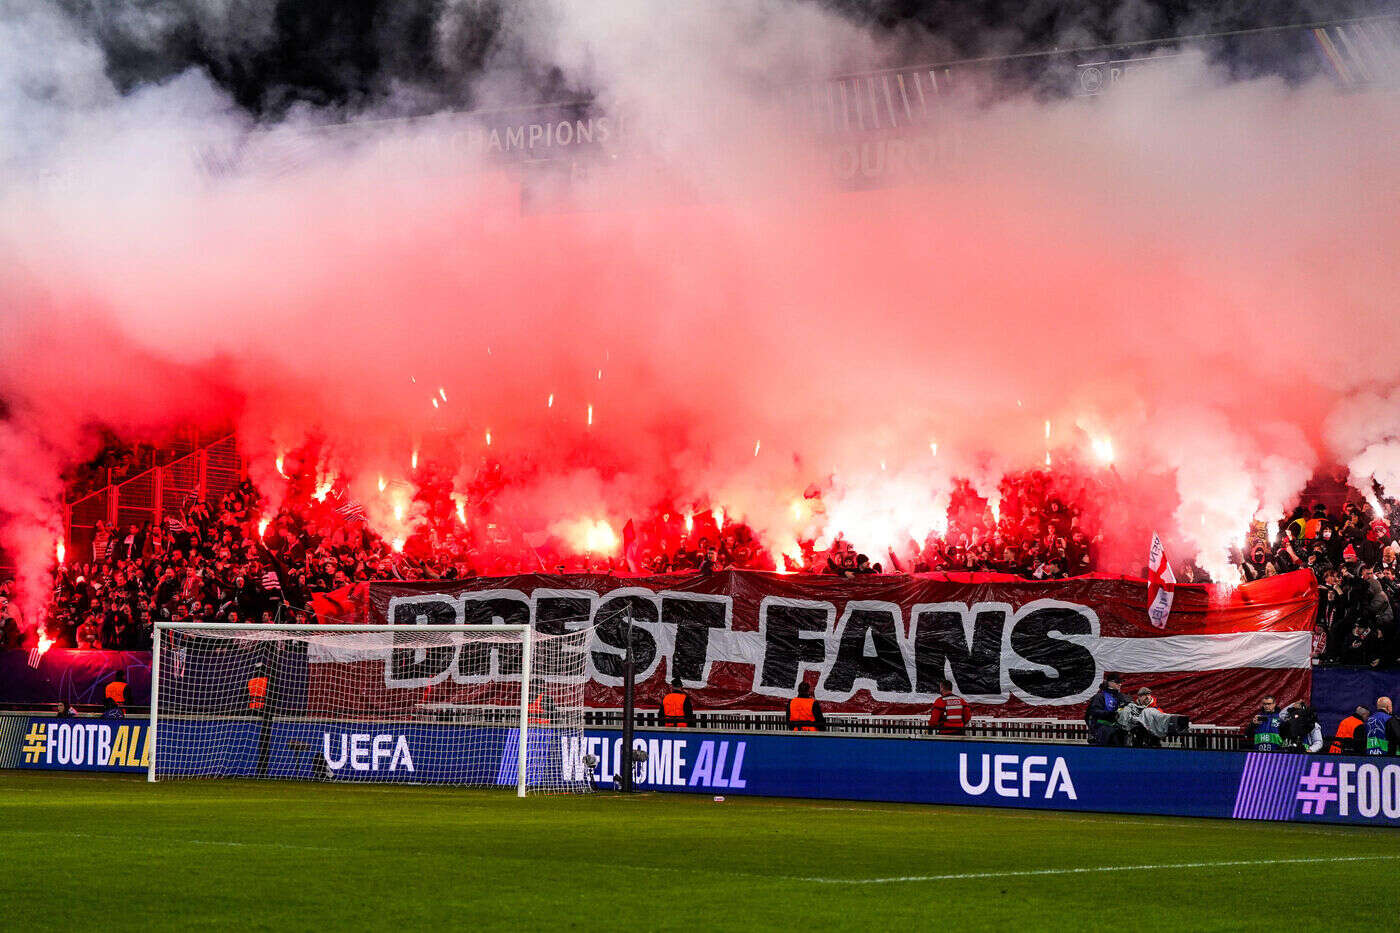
(881, 644)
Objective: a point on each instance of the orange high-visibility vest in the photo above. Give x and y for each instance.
(116, 692)
(673, 710)
(1346, 730)
(257, 692)
(800, 711)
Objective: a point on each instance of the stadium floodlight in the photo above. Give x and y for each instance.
(474, 705)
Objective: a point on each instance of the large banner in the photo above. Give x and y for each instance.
(876, 644)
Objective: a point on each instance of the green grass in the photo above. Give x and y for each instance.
(111, 852)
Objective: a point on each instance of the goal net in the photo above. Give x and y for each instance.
(416, 704)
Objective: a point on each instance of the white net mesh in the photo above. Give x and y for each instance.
(436, 705)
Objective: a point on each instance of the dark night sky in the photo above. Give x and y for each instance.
(351, 53)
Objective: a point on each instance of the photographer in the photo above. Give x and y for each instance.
(1261, 732)
(1299, 728)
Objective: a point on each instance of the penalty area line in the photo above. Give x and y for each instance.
(1036, 872)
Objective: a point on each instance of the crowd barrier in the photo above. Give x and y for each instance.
(1167, 782)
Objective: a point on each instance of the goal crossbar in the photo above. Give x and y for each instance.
(214, 629)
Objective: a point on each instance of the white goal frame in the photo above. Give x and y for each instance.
(314, 629)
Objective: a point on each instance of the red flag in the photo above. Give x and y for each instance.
(629, 545)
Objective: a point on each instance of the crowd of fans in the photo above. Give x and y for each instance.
(240, 560)
(1354, 557)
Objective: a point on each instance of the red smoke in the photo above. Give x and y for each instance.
(1197, 277)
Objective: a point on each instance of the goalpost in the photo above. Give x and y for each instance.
(470, 705)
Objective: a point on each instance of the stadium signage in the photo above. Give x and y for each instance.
(745, 640)
(704, 764)
(1017, 776)
(86, 745)
(367, 752)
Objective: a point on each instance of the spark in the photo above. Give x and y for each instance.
(549, 403)
(600, 375)
(756, 445)
(933, 447)
(590, 414)
(1047, 429)
(413, 461)
(488, 437)
(382, 483)
(442, 393)
(1047, 458)
(278, 464)
(435, 402)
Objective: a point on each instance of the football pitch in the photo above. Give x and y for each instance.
(97, 851)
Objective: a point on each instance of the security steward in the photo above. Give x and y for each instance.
(114, 697)
(676, 708)
(539, 710)
(1381, 729)
(1351, 734)
(950, 713)
(1261, 732)
(259, 708)
(804, 714)
(257, 690)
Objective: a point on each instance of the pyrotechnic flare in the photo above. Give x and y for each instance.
(590, 415)
(549, 403)
(756, 445)
(262, 525)
(61, 551)
(383, 484)
(278, 464)
(442, 393)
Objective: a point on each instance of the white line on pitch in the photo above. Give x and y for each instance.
(1034, 872)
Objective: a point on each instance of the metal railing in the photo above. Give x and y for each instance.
(206, 474)
(1202, 737)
